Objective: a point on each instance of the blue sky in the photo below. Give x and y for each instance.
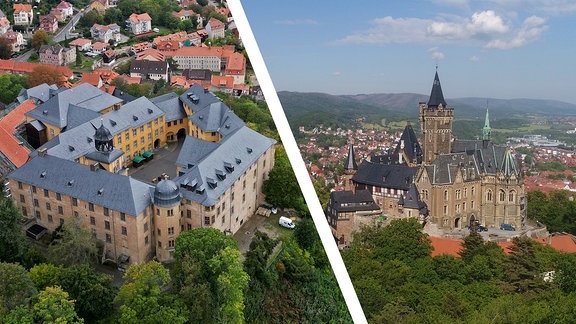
(492, 48)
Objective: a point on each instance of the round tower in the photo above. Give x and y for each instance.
(103, 139)
(167, 199)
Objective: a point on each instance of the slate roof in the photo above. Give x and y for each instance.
(55, 110)
(444, 168)
(171, 105)
(412, 147)
(100, 187)
(491, 158)
(385, 175)
(204, 98)
(230, 158)
(217, 118)
(412, 200)
(350, 163)
(436, 95)
(40, 92)
(79, 141)
(194, 150)
(348, 201)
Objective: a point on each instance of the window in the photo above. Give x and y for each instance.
(123, 217)
(119, 139)
(188, 213)
(74, 202)
(445, 194)
(170, 212)
(161, 129)
(19, 185)
(36, 202)
(463, 206)
(60, 210)
(489, 195)
(24, 211)
(502, 195)
(50, 220)
(142, 128)
(127, 135)
(206, 220)
(445, 210)
(159, 232)
(34, 189)
(232, 197)
(127, 147)
(159, 244)
(22, 199)
(58, 196)
(511, 196)
(231, 210)
(107, 225)
(458, 194)
(48, 206)
(124, 231)
(92, 220)
(465, 192)
(108, 238)
(171, 243)
(189, 227)
(213, 219)
(91, 207)
(243, 197)
(135, 144)
(106, 211)
(472, 191)
(223, 219)
(169, 124)
(38, 215)
(146, 240)
(46, 194)
(170, 230)
(134, 132)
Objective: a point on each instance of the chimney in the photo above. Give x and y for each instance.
(42, 151)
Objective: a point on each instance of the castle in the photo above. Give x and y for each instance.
(89, 139)
(449, 182)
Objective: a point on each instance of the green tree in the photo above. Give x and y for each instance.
(39, 38)
(141, 297)
(54, 306)
(523, 271)
(207, 255)
(78, 57)
(473, 245)
(10, 86)
(13, 244)
(16, 288)
(281, 188)
(75, 245)
(5, 49)
(257, 257)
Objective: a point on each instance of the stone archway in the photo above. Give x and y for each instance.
(457, 222)
(181, 134)
(157, 143)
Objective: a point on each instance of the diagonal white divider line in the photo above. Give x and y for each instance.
(296, 161)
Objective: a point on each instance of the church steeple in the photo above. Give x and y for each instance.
(436, 95)
(350, 163)
(486, 131)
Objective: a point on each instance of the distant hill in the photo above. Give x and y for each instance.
(342, 107)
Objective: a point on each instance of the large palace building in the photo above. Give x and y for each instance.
(89, 139)
(449, 182)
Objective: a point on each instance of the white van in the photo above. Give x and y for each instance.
(286, 222)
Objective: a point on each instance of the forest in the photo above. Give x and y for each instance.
(397, 281)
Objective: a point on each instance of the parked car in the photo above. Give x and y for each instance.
(286, 222)
(507, 227)
(479, 228)
(269, 207)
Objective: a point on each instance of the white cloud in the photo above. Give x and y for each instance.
(436, 54)
(296, 22)
(487, 22)
(474, 58)
(390, 30)
(531, 29)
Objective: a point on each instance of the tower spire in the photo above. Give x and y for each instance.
(436, 95)
(486, 131)
(350, 163)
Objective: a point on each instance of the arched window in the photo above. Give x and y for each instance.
(445, 194)
(502, 195)
(489, 195)
(511, 195)
(472, 191)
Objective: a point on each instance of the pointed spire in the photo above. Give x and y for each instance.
(350, 163)
(486, 131)
(436, 95)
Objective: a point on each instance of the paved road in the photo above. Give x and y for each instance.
(64, 33)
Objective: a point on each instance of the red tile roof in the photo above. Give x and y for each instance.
(443, 245)
(564, 243)
(10, 145)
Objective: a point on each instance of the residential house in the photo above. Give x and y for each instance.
(189, 15)
(199, 58)
(62, 11)
(105, 33)
(222, 83)
(109, 57)
(168, 46)
(139, 47)
(151, 55)
(48, 23)
(154, 70)
(99, 47)
(93, 79)
(99, 5)
(82, 44)
(15, 39)
(23, 14)
(57, 55)
(215, 28)
(4, 25)
(236, 67)
(226, 13)
(139, 23)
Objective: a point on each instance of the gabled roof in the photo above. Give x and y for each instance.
(410, 145)
(350, 201)
(217, 118)
(385, 175)
(171, 105)
(219, 169)
(80, 42)
(18, 7)
(137, 18)
(100, 187)
(40, 92)
(412, 200)
(55, 110)
(215, 23)
(436, 95)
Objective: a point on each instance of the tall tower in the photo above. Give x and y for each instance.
(436, 123)
(350, 168)
(486, 131)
